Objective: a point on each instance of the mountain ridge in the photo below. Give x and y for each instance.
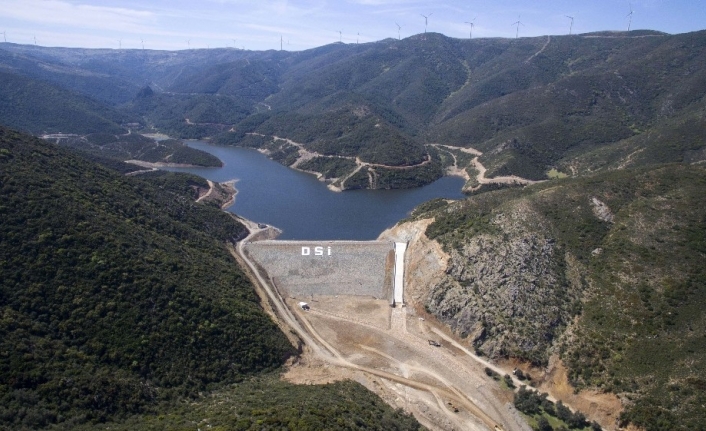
(529, 104)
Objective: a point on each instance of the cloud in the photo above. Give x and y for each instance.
(48, 12)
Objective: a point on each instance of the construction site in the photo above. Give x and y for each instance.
(344, 300)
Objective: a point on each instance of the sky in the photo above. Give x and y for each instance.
(304, 24)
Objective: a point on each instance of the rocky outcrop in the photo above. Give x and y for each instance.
(505, 296)
(506, 292)
(601, 210)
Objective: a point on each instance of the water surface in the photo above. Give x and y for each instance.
(303, 207)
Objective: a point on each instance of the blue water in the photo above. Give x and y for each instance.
(303, 207)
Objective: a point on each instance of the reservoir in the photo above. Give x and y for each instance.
(303, 207)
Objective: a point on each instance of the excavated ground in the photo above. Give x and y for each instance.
(352, 332)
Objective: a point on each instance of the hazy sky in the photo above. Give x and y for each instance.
(303, 24)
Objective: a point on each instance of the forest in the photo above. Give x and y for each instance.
(119, 301)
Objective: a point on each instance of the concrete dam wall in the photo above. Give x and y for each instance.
(301, 269)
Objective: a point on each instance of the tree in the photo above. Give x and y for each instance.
(543, 424)
(527, 401)
(508, 381)
(577, 420)
(563, 412)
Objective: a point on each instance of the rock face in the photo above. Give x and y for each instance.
(506, 291)
(601, 210)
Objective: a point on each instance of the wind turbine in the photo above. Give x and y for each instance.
(426, 21)
(356, 39)
(35, 40)
(143, 44)
(340, 36)
(630, 17)
(572, 23)
(281, 42)
(518, 23)
(470, 35)
(398, 31)
(234, 44)
(4, 36)
(188, 44)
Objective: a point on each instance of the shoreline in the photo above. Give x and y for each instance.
(157, 165)
(255, 232)
(157, 136)
(229, 187)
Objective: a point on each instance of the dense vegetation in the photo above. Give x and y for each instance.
(577, 103)
(330, 167)
(108, 301)
(638, 269)
(548, 415)
(384, 178)
(118, 297)
(134, 146)
(38, 107)
(188, 116)
(339, 133)
(99, 85)
(266, 403)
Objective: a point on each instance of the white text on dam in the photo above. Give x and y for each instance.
(303, 269)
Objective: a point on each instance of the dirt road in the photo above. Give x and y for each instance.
(478, 166)
(442, 386)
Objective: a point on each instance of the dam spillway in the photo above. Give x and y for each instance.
(303, 269)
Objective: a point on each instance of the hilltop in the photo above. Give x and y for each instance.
(575, 104)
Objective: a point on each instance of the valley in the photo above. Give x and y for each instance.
(582, 104)
(547, 193)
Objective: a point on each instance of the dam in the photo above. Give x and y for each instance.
(304, 269)
(345, 301)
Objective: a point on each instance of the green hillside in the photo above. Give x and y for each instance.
(576, 103)
(38, 107)
(529, 104)
(118, 297)
(266, 402)
(99, 85)
(188, 116)
(133, 146)
(606, 271)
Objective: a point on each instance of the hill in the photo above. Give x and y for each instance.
(118, 297)
(39, 107)
(133, 146)
(577, 103)
(188, 116)
(95, 84)
(604, 272)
